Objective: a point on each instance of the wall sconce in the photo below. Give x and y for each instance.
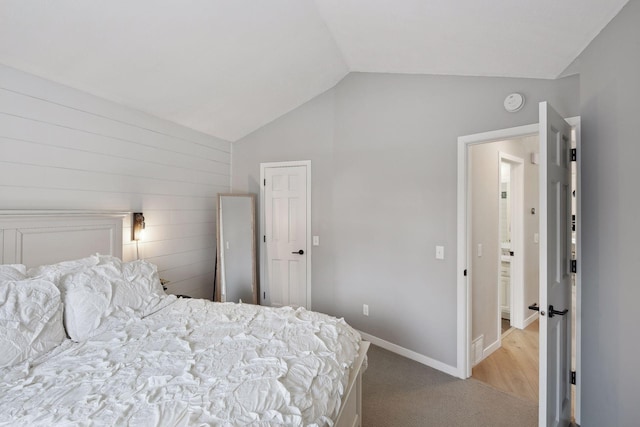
(137, 225)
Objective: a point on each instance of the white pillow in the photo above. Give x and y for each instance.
(108, 259)
(54, 272)
(30, 320)
(13, 272)
(95, 297)
(87, 295)
(143, 287)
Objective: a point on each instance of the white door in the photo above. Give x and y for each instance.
(555, 268)
(285, 235)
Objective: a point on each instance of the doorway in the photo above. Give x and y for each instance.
(285, 228)
(466, 250)
(499, 196)
(503, 186)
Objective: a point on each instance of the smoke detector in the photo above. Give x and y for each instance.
(514, 102)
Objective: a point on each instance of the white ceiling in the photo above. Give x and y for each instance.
(227, 67)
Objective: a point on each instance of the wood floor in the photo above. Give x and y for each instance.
(513, 367)
(506, 325)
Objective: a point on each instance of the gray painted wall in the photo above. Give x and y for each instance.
(65, 149)
(484, 270)
(383, 150)
(609, 94)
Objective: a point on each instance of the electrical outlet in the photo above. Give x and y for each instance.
(365, 309)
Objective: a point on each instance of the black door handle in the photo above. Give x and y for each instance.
(535, 307)
(300, 252)
(553, 312)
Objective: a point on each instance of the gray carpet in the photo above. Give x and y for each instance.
(398, 392)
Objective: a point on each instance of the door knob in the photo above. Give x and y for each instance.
(535, 307)
(300, 252)
(553, 312)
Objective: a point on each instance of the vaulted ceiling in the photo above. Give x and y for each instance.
(227, 67)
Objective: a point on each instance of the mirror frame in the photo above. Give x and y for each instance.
(254, 282)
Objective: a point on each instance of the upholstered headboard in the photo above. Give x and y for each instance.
(46, 237)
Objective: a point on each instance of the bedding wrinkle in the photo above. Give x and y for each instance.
(191, 363)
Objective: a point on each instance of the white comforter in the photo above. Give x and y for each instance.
(192, 363)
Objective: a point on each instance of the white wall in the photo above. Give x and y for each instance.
(484, 271)
(383, 151)
(64, 149)
(609, 94)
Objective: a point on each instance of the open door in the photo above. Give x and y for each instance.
(555, 268)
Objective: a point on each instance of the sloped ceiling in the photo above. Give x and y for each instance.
(227, 67)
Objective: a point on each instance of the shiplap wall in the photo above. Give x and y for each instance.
(65, 149)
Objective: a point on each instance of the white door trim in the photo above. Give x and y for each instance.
(517, 233)
(263, 263)
(464, 246)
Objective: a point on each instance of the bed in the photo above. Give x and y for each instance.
(115, 350)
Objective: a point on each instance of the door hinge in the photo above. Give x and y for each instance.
(574, 154)
(264, 239)
(465, 272)
(264, 295)
(574, 266)
(573, 223)
(573, 377)
(264, 182)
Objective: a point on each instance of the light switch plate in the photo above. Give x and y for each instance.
(439, 252)
(316, 240)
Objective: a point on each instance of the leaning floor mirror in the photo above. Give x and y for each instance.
(236, 278)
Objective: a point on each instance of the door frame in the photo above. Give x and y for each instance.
(464, 245)
(264, 285)
(517, 264)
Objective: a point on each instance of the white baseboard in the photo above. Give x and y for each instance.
(491, 348)
(529, 320)
(410, 354)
